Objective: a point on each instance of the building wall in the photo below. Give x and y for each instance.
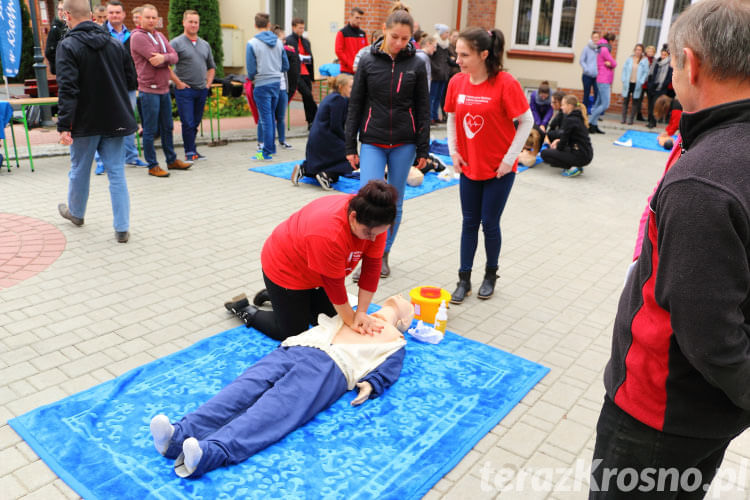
(566, 74)
(482, 13)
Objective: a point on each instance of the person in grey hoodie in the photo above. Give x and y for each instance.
(266, 61)
(590, 71)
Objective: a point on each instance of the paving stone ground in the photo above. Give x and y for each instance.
(102, 308)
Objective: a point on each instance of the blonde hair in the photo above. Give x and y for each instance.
(572, 99)
(336, 83)
(398, 6)
(428, 39)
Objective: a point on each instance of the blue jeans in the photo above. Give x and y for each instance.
(482, 202)
(112, 152)
(437, 89)
(190, 104)
(589, 84)
(278, 394)
(623, 442)
(157, 115)
(602, 102)
(266, 97)
(279, 116)
(372, 161)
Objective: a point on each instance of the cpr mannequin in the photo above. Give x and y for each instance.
(285, 389)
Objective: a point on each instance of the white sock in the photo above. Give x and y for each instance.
(193, 454)
(161, 431)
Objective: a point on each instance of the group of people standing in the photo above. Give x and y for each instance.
(98, 69)
(643, 75)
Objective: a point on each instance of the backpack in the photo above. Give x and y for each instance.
(34, 116)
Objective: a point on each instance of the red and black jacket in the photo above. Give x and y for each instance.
(681, 345)
(349, 41)
(390, 102)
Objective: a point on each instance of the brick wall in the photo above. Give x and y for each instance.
(375, 13)
(161, 5)
(482, 13)
(608, 18)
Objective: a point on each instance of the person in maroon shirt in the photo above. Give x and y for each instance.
(306, 260)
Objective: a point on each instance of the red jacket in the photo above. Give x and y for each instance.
(348, 42)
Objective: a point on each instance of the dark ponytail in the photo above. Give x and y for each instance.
(375, 204)
(492, 41)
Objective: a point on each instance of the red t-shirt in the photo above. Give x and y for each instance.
(317, 241)
(484, 120)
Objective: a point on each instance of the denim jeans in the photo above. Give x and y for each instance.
(482, 202)
(157, 115)
(279, 117)
(190, 104)
(624, 443)
(266, 97)
(437, 89)
(602, 102)
(372, 161)
(112, 152)
(589, 83)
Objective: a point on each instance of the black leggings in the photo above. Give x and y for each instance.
(293, 310)
(565, 159)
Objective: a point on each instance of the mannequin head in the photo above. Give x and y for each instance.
(398, 311)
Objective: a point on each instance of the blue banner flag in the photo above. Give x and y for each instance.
(10, 36)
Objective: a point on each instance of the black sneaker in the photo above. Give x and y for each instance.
(237, 303)
(261, 298)
(297, 174)
(324, 181)
(439, 166)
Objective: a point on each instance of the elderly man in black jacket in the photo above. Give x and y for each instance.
(677, 389)
(56, 33)
(93, 76)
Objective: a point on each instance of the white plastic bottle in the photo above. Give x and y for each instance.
(441, 318)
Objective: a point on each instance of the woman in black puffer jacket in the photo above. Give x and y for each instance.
(389, 109)
(570, 148)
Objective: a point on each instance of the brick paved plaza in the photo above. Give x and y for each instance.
(103, 308)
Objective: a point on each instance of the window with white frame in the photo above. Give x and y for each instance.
(658, 16)
(283, 11)
(544, 24)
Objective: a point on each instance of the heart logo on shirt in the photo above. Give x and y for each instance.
(472, 125)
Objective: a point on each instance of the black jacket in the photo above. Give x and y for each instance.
(292, 75)
(441, 70)
(293, 40)
(56, 33)
(390, 103)
(682, 328)
(573, 135)
(95, 73)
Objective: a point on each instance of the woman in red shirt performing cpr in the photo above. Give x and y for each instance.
(308, 256)
(482, 102)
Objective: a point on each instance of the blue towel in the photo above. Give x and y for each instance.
(397, 446)
(643, 140)
(351, 185)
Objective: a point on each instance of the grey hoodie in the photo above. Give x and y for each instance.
(266, 59)
(588, 59)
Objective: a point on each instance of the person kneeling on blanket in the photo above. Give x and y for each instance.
(285, 389)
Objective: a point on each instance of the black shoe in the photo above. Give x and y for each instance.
(324, 181)
(598, 130)
(592, 129)
(297, 174)
(247, 315)
(237, 303)
(261, 298)
(463, 287)
(651, 125)
(437, 163)
(122, 236)
(487, 288)
(63, 209)
(385, 269)
(640, 118)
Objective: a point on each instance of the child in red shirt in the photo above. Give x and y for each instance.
(482, 102)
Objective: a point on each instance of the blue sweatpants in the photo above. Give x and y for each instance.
(281, 392)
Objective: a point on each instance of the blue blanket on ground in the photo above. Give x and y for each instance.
(348, 185)
(643, 140)
(397, 446)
